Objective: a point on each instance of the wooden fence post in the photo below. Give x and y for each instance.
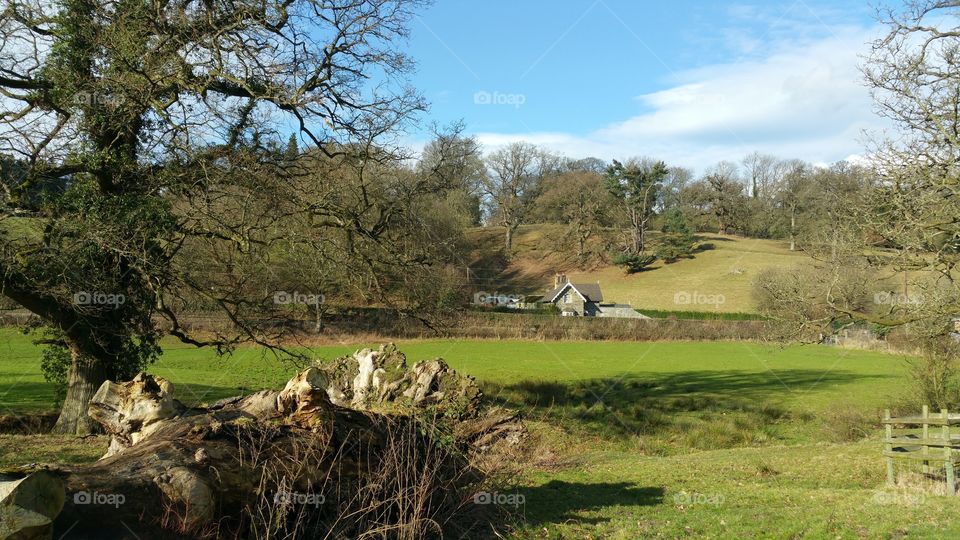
(926, 436)
(891, 479)
(948, 451)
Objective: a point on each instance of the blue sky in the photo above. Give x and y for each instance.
(690, 82)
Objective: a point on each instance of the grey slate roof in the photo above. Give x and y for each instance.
(590, 291)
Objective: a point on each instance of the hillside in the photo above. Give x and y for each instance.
(718, 279)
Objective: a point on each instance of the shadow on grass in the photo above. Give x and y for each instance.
(558, 501)
(713, 237)
(28, 408)
(192, 395)
(493, 269)
(21, 397)
(658, 403)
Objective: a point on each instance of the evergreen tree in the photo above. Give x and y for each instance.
(678, 240)
(292, 150)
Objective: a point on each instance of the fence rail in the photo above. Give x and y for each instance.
(921, 443)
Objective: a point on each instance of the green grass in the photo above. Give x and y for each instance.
(808, 491)
(629, 440)
(716, 280)
(799, 376)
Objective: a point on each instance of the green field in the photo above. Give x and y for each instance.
(629, 440)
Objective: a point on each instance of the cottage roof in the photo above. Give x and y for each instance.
(590, 291)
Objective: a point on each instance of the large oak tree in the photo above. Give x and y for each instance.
(145, 164)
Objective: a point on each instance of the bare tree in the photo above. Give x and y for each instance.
(512, 184)
(915, 84)
(459, 162)
(762, 171)
(901, 219)
(792, 195)
(580, 200)
(674, 187)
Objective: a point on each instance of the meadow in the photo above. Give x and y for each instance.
(628, 440)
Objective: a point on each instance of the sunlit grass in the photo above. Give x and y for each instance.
(629, 440)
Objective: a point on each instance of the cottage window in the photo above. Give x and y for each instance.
(567, 298)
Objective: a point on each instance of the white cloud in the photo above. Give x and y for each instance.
(797, 100)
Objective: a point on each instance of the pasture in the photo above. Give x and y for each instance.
(679, 439)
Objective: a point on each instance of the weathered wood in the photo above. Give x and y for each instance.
(952, 420)
(920, 447)
(28, 506)
(888, 447)
(918, 456)
(917, 441)
(371, 379)
(174, 472)
(926, 435)
(948, 463)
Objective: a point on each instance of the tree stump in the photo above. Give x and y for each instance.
(360, 443)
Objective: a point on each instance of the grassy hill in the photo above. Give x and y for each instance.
(718, 279)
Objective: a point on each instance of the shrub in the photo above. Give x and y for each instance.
(934, 376)
(701, 315)
(850, 423)
(634, 263)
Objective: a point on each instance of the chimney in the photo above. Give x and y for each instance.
(559, 279)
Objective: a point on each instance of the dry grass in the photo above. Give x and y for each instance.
(416, 486)
(728, 269)
(17, 450)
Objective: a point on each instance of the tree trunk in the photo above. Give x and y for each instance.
(583, 232)
(86, 375)
(508, 242)
(318, 319)
(642, 237)
(833, 245)
(635, 233)
(793, 227)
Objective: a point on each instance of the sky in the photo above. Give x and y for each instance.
(689, 82)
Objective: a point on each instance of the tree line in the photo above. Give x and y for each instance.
(761, 196)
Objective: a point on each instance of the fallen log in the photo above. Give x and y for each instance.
(355, 445)
(29, 504)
